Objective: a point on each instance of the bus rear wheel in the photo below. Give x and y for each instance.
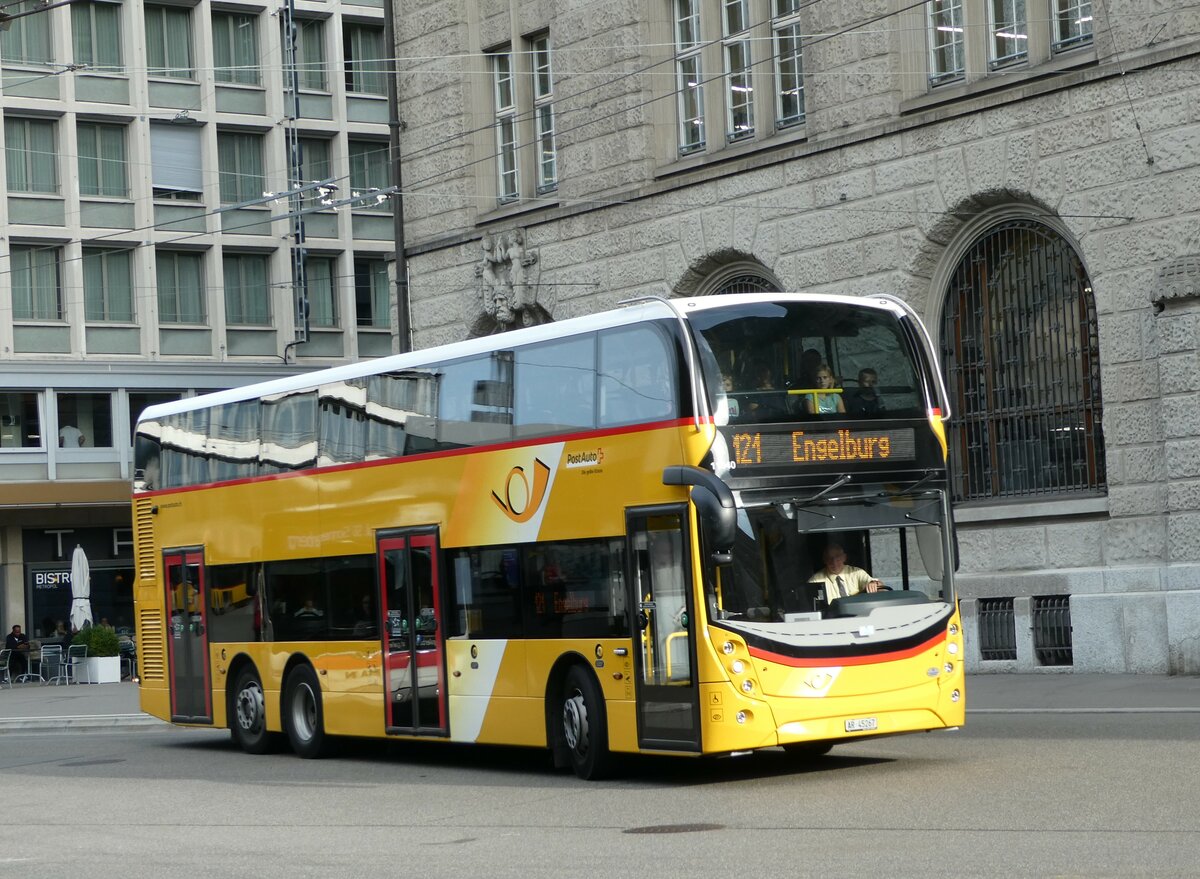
(583, 725)
(248, 715)
(303, 715)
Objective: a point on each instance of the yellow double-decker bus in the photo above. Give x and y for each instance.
(603, 535)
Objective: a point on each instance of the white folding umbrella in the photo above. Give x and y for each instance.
(81, 589)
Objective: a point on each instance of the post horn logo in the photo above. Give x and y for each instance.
(534, 495)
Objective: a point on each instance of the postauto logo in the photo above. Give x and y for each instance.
(521, 498)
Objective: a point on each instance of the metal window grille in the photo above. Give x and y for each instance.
(746, 284)
(1052, 629)
(997, 628)
(1021, 352)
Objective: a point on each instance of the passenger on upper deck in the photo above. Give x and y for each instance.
(823, 404)
(841, 579)
(865, 399)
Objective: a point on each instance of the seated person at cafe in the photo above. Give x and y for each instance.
(841, 579)
(18, 642)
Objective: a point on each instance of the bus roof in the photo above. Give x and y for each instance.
(637, 311)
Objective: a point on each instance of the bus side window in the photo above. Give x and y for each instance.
(637, 376)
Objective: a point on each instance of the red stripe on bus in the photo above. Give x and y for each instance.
(430, 456)
(828, 661)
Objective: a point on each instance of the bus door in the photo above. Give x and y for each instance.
(413, 632)
(187, 636)
(664, 641)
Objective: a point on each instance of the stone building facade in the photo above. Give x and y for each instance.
(1027, 178)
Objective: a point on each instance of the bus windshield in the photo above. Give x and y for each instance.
(784, 361)
(780, 551)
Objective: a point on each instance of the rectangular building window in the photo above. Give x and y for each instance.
(36, 282)
(31, 154)
(543, 113)
(169, 41)
(310, 54)
(1072, 23)
(107, 285)
(240, 160)
(85, 421)
(96, 35)
(235, 48)
(1008, 31)
(320, 273)
(20, 420)
(369, 170)
(508, 178)
(945, 24)
(689, 84)
(180, 278)
(371, 293)
(366, 67)
(101, 160)
(175, 158)
(26, 40)
(314, 165)
(789, 62)
(739, 82)
(247, 290)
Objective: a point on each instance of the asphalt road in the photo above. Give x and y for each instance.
(1009, 795)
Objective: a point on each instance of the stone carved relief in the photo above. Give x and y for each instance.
(509, 293)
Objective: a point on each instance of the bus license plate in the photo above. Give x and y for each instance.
(861, 724)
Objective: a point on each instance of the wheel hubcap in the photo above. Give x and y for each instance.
(304, 711)
(575, 723)
(250, 708)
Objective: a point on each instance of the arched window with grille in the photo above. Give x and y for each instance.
(1021, 351)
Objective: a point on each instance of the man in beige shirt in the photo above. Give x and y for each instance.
(841, 579)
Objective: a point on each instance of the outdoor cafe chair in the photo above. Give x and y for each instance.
(76, 662)
(5, 675)
(53, 668)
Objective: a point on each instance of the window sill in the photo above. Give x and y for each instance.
(517, 208)
(370, 96)
(112, 324)
(793, 134)
(1024, 508)
(162, 77)
(40, 196)
(168, 325)
(243, 86)
(251, 328)
(1010, 76)
(106, 199)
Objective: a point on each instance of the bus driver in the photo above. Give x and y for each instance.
(841, 579)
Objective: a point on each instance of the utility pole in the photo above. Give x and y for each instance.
(403, 330)
(295, 173)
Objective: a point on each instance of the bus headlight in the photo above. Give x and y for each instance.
(741, 717)
(949, 668)
(727, 648)
(747, 686)
(737, 667)
(952, 648)
(953, 629)
(955, 695)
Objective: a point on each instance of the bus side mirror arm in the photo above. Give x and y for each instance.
(714, 502)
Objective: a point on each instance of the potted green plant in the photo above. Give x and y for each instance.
(103, 663)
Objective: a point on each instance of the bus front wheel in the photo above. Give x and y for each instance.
(248, 715)
(303, 716)
(583, 725)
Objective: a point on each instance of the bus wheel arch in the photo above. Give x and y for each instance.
(245, 709)
(302, 710)
(577, 719)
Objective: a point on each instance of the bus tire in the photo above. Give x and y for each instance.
(303, 714)
(583, 725)
(808, 750)
(248, 715)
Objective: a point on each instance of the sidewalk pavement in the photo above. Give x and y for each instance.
(38, 707)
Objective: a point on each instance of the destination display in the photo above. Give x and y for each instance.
(775, 448)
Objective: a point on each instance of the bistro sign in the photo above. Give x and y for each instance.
(51, 579)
